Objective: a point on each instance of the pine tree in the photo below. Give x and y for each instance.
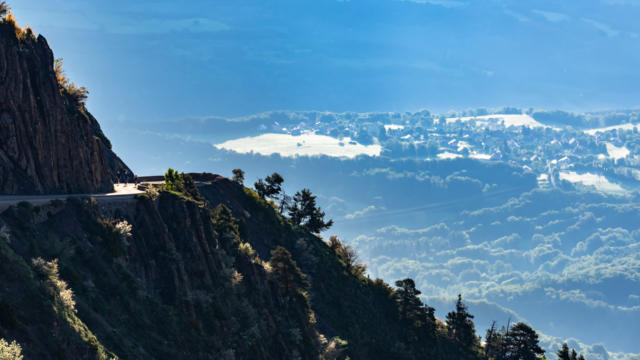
(190, 187)
(271, 186)
(261, 188)
(286, 272)
(274, 184)
(521, 343)
(460, 325)
(574, 355)
(238, 176)
(285, 202)
(418, 318)
(304, 212)
(410, 307)
(407, 298)
(173, 180)
(224, 224)
(563, 352)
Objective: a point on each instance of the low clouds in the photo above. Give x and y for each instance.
(579, 262)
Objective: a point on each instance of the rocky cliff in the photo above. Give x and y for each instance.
(49, 143)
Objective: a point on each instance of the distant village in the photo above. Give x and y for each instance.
(581, 154)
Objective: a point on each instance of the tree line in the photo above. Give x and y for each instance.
(516, 342)
(513, 342)
(301, 209)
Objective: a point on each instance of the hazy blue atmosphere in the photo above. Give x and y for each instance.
(530, 213)
(237, 58)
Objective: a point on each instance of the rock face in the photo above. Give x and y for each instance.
(48, 142)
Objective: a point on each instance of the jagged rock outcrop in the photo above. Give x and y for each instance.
(48, 143)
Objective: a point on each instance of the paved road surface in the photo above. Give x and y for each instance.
(122, 192)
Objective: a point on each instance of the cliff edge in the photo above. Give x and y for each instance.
(49, 142)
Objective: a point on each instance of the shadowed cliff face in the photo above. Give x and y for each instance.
(181, 285)
(48, 143)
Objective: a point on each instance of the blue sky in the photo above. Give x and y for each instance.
(150, 60)
(155, 61)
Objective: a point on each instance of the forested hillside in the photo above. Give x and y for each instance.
(214, 273)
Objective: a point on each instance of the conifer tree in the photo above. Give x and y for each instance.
(304, 212)
(407, 298)
(563, 352)
(274, 184)
(238, 176)
(418, 318)
(271, 186)
(460, 325)
(521, 343)
(574, 355)
(286, 272)
(285, 202)
(261, 188)
(224, 225)
(410, 307)
(173, 180)
(190, 187)
(300, 208)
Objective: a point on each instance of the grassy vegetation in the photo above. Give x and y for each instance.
(77, 94)
(9, 23)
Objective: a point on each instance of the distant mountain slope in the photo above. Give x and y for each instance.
(49, 142)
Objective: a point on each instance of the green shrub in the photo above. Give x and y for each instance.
(173, 181)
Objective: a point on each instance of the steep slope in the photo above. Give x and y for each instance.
(49, 143)
(178, 284)
(173, 278)
(349, 305)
